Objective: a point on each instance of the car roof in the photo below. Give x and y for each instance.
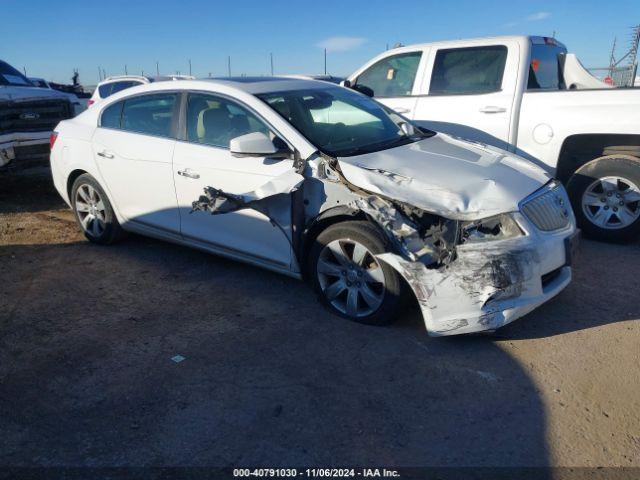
(258, 85)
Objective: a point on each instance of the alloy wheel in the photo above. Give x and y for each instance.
(611, 202)
(91, 210)
(351, 278)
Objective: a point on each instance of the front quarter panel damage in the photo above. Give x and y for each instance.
(459, 288)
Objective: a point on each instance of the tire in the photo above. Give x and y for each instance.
(93, 211)
(376, 302)
(605, 195)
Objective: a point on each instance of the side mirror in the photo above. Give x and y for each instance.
(407, 129)
(362, 89)
(345, 83)
(254, 144)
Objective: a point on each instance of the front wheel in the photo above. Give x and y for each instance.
(351, 280)
(605, 194)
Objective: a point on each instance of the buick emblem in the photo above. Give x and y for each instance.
(29, 116)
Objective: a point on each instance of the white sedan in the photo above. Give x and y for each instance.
(320, 182)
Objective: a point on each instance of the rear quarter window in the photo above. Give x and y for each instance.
(544, 68)
(112, 115)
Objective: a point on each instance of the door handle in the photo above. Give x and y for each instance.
(187, 172)
(402, 110)
(105, 154)
(492, 109)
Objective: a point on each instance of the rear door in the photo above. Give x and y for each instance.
(395, 80)
(133, 148)
(469, 91)
(203, 159)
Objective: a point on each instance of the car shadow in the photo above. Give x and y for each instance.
(268, 376)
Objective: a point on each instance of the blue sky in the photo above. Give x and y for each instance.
(50, 38)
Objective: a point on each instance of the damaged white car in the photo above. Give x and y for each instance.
(320, 182)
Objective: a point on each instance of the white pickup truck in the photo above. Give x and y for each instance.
(529, 96)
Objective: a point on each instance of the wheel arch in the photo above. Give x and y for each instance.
(323, 221)
(578, 150)
(72, 178)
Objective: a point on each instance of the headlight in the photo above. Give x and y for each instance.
(499, 227)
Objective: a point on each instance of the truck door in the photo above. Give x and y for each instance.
(469, 92)
(394, 79)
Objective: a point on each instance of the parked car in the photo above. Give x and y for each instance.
(78, 107)
(28, 115)
(317, 181)
(528, 96)
(115, 84)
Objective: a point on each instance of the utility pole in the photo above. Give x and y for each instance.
(325, 61)
(125, 70)
(24, 69)
(271, 58)
(99, 74)
(189, 66)
(104, 74)
(158, 68)
(229, 65)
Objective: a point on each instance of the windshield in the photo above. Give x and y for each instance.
(340, 122)
(11, 76)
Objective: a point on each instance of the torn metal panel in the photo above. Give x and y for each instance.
(217, 201)
(486, 287)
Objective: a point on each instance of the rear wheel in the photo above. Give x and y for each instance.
(605, 194)
(351, 280)
(94, 212)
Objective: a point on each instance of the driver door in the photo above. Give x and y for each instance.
(204, 160)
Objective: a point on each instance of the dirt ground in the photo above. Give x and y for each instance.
(87, 336)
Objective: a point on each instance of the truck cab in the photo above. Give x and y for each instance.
(527, 95)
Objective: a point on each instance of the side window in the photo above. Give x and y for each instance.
(105, 90)
(459, 71)
(213, 120)
(392, 76)
(544, 69)
(119, 86)
(149, 114)
(112, 115)
(109, 89)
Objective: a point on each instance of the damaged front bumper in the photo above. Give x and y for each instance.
(489, 284)
(9, 142)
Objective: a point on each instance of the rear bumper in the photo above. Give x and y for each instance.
(491, 284)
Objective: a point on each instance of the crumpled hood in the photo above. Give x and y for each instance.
(454, 178)
(29, 93)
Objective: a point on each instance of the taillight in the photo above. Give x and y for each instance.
(90, 102)
(52, 139)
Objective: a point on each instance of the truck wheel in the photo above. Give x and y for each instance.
(605, 194)
(94, 212)
(350, 280)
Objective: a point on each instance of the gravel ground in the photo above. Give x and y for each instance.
(270, 378)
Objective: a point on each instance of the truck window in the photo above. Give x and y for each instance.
(392, 76)
(459, 71)
(11, 76)
(544, 68)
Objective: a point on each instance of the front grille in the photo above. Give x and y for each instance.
(549, 209)
(33, 115)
